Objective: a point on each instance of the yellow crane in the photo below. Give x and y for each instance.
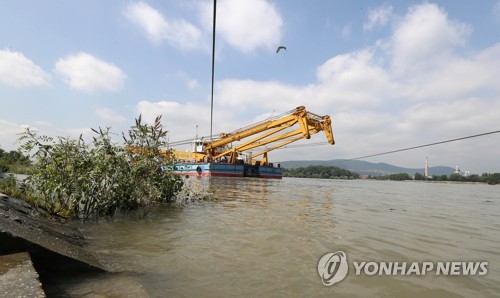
(278, 131)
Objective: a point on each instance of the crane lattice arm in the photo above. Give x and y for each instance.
(271, 131)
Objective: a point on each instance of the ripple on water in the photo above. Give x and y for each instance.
(265, 237)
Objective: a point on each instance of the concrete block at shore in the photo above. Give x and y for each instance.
(18, 277)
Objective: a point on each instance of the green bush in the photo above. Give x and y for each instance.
(9, 186)
(494, 179)
(4, 166)
(323, 172)
(73, 178)
(399, 177)
(14, 162)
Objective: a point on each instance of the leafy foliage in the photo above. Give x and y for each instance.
(9, 185)
(455, 177)
(399, 177)
(324, 172)
(71, 177)
(494, 179)
(419, 176)
(394, 177)
(14, 162)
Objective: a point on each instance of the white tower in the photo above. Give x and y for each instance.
(426, 167)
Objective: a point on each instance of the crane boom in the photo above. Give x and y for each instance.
(278, 129)
(242, 133)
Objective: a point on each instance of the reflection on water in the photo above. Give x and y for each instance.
(265, 237)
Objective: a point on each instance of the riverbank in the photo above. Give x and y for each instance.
(34, 243)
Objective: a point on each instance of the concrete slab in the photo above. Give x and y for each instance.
(18, 277)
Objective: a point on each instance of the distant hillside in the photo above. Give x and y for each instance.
(366, 168)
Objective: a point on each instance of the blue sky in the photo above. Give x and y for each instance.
(392, 74)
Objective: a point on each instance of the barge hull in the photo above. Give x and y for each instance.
(228, 170)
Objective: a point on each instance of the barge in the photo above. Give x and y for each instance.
(230, 154)
(228, 170)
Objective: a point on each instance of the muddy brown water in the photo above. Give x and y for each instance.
(265, 238)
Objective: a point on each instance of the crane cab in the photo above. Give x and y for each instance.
(198, 146)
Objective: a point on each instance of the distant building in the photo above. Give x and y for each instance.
(462, 173)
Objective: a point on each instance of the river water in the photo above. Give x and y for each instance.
(265, 237)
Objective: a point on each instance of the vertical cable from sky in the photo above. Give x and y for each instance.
(213, 67)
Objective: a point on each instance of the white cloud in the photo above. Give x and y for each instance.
(378, 17)
(378, 97)
(344, 81)
(425, 38)
(84, 72)
(245, 24)
(363, 132)
(346, 31)
(431, 122)
(18, 71)
(151, 20)
(241, 95)
(378, 93)
(354, 79)
(180, 119)
(184, 35)
(75, 133)
(43, 123)
(465, 116)
(178, 33)
(9, 134)
(366, 78)
(108, 114)
(459, 77)
(192, 84)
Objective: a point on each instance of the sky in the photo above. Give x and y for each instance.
(391, 74)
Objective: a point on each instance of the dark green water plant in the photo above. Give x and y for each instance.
(74, 178)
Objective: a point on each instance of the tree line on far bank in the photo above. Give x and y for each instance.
(484, 178)
(324, 172)
(14, 161)
(332, 172)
